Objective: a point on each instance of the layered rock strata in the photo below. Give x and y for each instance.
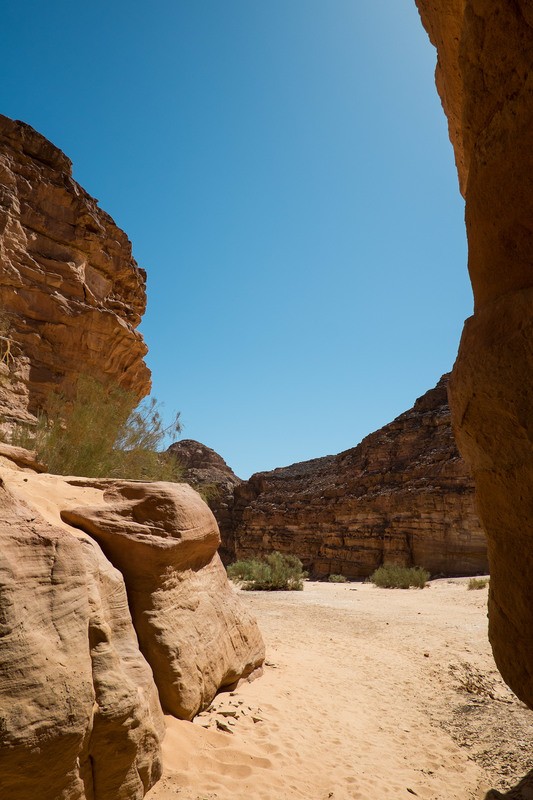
(71, 293)
(206, 471)
(402, 496)
(485, 80)
(81, 641)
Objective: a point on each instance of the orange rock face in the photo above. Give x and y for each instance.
(402, 496)
(484, 76)
(71, 293)
(102, 621)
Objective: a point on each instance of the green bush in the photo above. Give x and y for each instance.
(477, 583)
(337, 579)
(99, 433)
(271, 572)
(391, 576)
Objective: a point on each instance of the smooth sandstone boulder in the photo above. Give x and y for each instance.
(485, 79)
(79, 712)
(192, 627)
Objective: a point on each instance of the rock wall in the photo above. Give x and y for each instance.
(71, 293)
(485, 80)
(402, 496)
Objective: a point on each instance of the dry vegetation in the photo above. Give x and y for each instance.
(391, 576)
(272, 572)
(101, 432)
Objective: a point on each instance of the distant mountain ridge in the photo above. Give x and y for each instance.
(403, 495)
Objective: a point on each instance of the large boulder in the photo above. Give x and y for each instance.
(192, 627)
(484, 76)
(79, 712)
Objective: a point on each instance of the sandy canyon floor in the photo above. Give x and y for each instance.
(367, 693)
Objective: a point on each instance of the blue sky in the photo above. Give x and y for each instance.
(283, 171)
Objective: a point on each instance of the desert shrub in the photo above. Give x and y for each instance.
(337, 579)
(100, 433)
(391, 576)
(274, 571)
(477, 583)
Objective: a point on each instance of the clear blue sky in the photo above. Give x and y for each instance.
(283, 171)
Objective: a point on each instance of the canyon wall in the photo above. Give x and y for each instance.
(485, 80)
(71, 293)
(404, 496)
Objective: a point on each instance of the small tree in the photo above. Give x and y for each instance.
(100, 433)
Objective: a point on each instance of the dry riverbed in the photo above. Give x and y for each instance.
(367, 693)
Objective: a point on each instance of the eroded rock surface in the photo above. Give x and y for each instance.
(402, 496)
(485, 79)
(79, 712)
(71, 293)
(192, 627)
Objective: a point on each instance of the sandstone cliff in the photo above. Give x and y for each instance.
(401, 496)
(71, 293)
(485, 80)
(89, 652)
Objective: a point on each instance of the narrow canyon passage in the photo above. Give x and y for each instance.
(366, 693)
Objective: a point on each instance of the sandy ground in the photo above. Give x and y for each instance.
(367, 693)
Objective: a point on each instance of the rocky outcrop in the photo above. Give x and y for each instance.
(402, 496)
(192, 628)
(79, 708)
(484, 76)
(72, 679)
(208, 473)
(71, 293)
(80, 711)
